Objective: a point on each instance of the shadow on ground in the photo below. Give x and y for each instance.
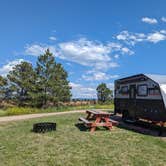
(83, 128)
(141, 127)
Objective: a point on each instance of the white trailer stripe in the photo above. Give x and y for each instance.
(163, 92)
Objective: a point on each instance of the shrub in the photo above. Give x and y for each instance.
(30, 110)
(21, 110)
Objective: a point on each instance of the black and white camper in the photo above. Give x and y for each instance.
(141, 96)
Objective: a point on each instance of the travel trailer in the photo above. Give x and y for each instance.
(141, 96)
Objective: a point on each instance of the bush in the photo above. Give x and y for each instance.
(21, 110)
(29, 110)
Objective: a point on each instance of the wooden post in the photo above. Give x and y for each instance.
(108, 123)
(93, 128)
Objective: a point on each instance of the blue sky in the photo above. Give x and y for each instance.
(96, 41)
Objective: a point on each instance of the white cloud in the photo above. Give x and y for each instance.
(113, 64)
(52, 38)
(83, 51)
(149, 20)
(116, 47)
(4, 70)
(114, 76)
(110, 86)
(116, 56)
(87, 53)
(83, 91)
(80, 91)
(133, 38)
(98, 76)
(163, 19)
(126, 50)
(163, 31)
(38, 49)
(156, 37)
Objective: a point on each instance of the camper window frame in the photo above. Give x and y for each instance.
(146, 90)
(124, 93)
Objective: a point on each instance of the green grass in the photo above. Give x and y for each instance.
(69, 146)
(2, 112)
(22, 110)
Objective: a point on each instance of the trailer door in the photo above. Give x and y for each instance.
(132, 92)
(132, 96)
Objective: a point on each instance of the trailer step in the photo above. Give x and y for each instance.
(130, 121)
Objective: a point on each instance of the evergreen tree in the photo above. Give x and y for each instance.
(52, 81)
(45, 65)
(22, 83)
(103, 93)
(60, 85)
(3, 83)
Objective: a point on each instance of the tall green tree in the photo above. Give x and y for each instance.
(60, 89)
(103, 93)
(53, 85)
(22, 83)
(3, 83)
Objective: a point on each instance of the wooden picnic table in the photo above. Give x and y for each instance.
(97, 119)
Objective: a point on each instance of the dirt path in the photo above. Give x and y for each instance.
(31, 116)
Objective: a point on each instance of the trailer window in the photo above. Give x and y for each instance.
(154, 91)
(142, 90)
(124, 90)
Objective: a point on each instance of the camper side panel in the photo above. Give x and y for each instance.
(141, 99)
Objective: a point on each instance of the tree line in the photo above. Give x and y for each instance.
(45, 84)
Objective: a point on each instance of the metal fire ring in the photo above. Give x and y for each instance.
(44, 127)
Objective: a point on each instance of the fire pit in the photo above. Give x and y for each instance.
(44, 127)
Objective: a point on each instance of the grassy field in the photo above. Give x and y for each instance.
(69, 146)
(22, 110)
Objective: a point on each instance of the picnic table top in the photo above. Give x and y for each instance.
(98, 112)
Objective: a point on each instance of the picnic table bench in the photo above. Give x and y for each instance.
(85, 121)
(97, 119)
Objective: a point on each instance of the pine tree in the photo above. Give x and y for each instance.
(3, 84)
(60, 85)
(22, 83)
(52, 80)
